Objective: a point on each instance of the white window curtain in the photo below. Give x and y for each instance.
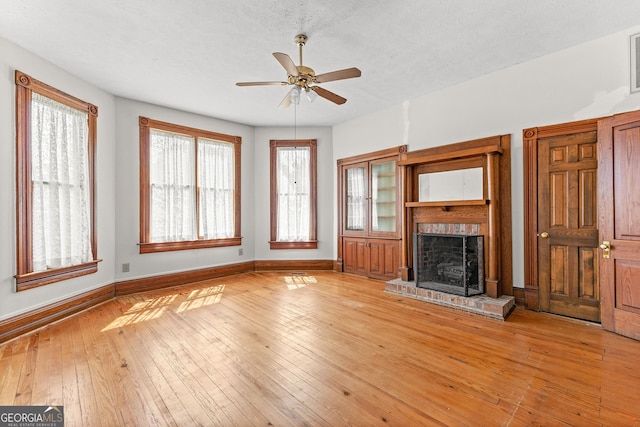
(356, 198)
(294, 193)
(216, 183)
(173, 187)
(61, 210)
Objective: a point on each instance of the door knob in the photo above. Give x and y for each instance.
(606, 249)
(544, 235)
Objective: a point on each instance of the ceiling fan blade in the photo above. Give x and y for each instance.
(347, 73)
(286, 101)
(261, 83)
(328, 95)
(287, 63)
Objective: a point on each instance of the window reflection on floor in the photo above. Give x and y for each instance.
(296, 281)
(154, 308)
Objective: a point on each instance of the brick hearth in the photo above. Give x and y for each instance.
(494, 308)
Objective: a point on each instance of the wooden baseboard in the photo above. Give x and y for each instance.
(294, 265)
(175, 279)
(34, 319)
(518, 293)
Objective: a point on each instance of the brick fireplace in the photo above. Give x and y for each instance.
(485, 212)
(449, 262)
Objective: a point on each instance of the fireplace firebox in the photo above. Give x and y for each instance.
(449, 263)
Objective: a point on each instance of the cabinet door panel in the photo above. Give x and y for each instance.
(383, 209)
(384, 257)
(356, 199)
(355, 257)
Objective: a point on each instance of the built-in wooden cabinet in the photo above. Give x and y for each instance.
(369, 239)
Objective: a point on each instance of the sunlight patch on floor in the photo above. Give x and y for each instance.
(154, 308)
(135, 316)
(201, 298)
(299, 281)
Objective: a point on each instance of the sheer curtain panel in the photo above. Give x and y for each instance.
(294, 199)
(216, 184)
(61, 197)
(356, 198)
(173, 187)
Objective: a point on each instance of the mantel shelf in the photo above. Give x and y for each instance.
(479, 202)
(458, 154)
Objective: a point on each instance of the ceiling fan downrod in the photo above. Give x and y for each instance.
(300, 40)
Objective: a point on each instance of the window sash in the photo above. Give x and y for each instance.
(60, 195)
(293, 194)
(216, 187)
(173, 187)
(55, 145)
(204, 184)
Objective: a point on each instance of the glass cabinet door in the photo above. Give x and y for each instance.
(383, 196)
(356, 198)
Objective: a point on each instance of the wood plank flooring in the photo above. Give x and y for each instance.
(319, 349)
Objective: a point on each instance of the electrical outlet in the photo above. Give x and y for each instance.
(240, 251)
(126, 267)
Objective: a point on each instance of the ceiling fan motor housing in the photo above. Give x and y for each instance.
(305, 77)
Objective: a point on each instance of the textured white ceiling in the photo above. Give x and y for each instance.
(188, 54)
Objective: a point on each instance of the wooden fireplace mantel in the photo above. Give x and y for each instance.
(492, 212)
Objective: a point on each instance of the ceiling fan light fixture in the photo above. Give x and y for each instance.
(311, 95)
(295, 95)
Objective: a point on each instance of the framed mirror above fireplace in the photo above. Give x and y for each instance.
(459, 184)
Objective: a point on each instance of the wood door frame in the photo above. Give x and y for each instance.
(530, 138)
(613, 317)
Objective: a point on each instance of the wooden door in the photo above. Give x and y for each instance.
(567, 226)
(619, 222)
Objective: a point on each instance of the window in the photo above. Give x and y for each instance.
(189, 188)
(293, 194)
(55, 144)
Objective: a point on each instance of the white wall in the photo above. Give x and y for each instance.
(587, 81)
(127, 178)
(326, 203)
(13, 57)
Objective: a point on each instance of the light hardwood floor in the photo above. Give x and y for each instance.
(320, 349)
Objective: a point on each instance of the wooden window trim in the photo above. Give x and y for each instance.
(312, 243)
(146, 246)
(25, 277)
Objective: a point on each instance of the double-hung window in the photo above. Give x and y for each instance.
(55, 144)
(189, 188)
(293, 194)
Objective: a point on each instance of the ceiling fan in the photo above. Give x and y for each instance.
(305, 79)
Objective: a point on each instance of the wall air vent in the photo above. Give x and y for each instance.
(635, 63)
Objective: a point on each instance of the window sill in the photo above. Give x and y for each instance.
(311, 244)
(147, 248)
(40, 278)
